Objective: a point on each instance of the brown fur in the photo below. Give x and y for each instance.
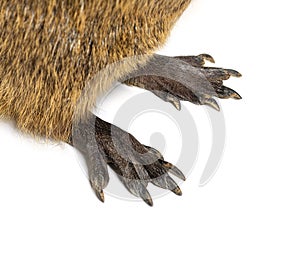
(50, 50)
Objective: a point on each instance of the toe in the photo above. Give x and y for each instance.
(173, 170)
(224, 92)
(233, 73)
(155, 152)
(160, 178)
(138, 188)
(212, 103)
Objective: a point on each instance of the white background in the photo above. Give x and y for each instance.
(250, 206)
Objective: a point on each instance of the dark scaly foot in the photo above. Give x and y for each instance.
(202, 83)
(135, 164)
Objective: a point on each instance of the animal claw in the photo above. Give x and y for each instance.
(173, 170)
(206, 57)
(212, 103)
(177, 191)
(234, 73)
(174, 101)
(166, 182)
(100, 195)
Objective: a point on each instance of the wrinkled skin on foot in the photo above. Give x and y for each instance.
(209, 82)
(183, 78)
(136, 165)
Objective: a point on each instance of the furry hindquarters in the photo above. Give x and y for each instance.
(50, 50)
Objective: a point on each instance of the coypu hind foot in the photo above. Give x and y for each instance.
(135, 164)
(173, 79)
(185, 78)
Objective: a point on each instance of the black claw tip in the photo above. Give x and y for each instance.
(236, 96)
(233, 94)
